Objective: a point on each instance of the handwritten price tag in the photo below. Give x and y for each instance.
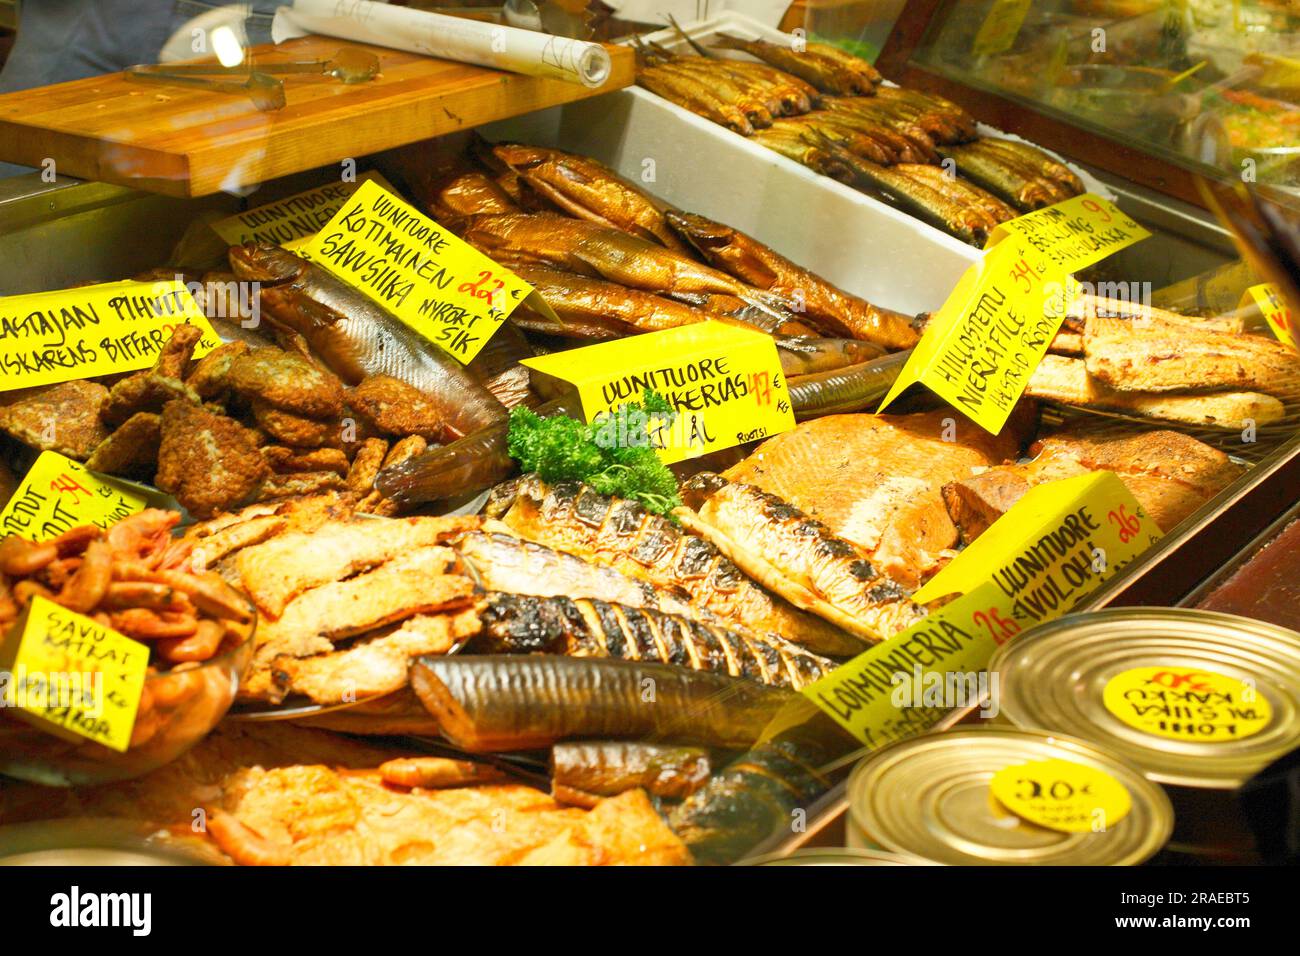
(445, 289)
(95, 330)
(725, 383)
(58, 494)
(1181, 703)
(1062, 795)
(1054, 546)
(291, 221)
(1276, 312)
(63, 672)
(980, 349)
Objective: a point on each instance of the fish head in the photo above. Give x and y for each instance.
(520, 156)
(704, 234)
(262, 262)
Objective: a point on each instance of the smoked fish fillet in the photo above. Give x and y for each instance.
(1066, 380)
(1134, 357)
(877, 480)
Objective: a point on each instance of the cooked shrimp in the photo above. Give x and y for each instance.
(74, 540)
(148, 624)
(20, 557)
(200, 646)
(242, 844)
(85, 589)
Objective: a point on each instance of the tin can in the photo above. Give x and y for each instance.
(933, 797)
(1200, 701)
(837, 856)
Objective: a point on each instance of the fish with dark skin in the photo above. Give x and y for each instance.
(620, 534)
(583, 627)
(836, 311)
(590, 190)
(356, 337)
(512, 702)
(797, 557)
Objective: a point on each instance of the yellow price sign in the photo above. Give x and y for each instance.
(980, 349)
(1276, 312)
(94, 330)
(289, 222)
(65, 673)
(58, 494)
(1186, 703)
(724, 382)
(1062, 795)
(439, 285)
(1051, 549)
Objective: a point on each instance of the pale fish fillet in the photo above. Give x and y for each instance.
(1066, 380)
(876, 480)
(1134, 358)
(211, 548)
(797, 557)
(277, 571)
(1085, 307)
(375, 665)
(416, 583)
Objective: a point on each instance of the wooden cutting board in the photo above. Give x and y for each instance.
(185, 141)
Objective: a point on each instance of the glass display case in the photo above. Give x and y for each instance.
(1156, 91)
(467, 590)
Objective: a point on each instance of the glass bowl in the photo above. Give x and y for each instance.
(177, 709)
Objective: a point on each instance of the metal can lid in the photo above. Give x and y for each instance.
(932, 796)
(1194, 698)
(837, 856)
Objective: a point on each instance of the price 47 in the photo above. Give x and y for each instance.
(761, 385)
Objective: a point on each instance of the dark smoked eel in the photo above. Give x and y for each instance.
(517, 623)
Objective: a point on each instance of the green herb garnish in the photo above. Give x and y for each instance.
(614, 455)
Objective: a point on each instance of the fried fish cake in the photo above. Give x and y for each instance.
(366, 464)
(396, 408)
(132, 450)
(285, 460)
(209, 462)
(63, 417)
(300, 431)
(143, 392)
(301, 483)
(210, 376)
(288, 382)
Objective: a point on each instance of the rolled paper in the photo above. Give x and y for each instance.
(451, 38)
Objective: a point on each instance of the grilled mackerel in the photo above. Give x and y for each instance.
(617, 533)
(797, 556)
(523, 624)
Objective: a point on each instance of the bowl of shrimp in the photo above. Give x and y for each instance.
(138, 580)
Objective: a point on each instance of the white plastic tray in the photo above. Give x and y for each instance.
(859, 243)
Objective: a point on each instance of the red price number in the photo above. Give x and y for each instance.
(65, 484)
(480, 290)
(1128, 524)
(1000, 628)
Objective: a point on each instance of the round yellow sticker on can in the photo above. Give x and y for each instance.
(1061, 795)
(1187, 703)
